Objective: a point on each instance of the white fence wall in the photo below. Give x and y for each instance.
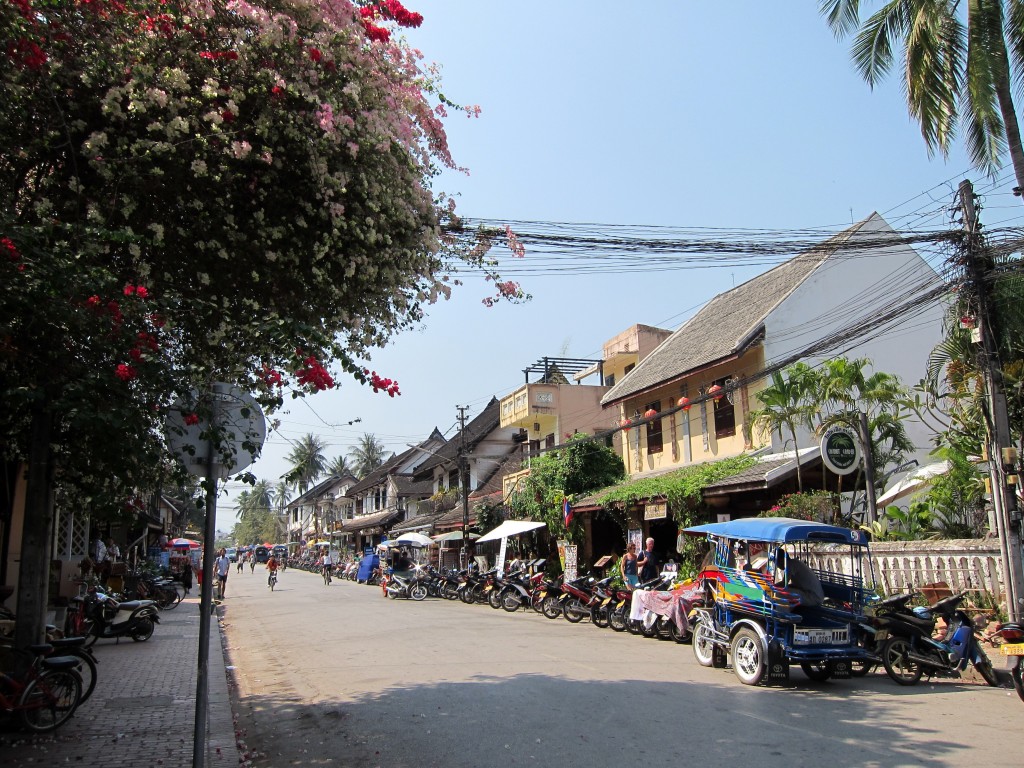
(966, 565)
(971, 565)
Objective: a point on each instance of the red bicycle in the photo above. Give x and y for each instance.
(44, 692)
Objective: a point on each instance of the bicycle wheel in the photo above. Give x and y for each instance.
(86, 670)
(49, 700)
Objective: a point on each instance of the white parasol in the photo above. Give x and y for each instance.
(913, 483)
(510, 528)
(414, 539)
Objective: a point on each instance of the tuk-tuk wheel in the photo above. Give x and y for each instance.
(703, 647)
(818, 671)
(748, 656)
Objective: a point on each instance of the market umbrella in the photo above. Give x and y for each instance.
(454, 536)
(915, 482)
(183, 544)
(509, 528)
(414, 539)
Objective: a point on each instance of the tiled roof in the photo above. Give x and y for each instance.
(477, 429)
(726, 325)
(408, 487)
(770, 470)
(380, 474)
(419, 522)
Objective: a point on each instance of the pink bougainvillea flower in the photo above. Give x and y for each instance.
(191, 419)
(141, 291)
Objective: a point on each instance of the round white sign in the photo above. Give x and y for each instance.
(840, 451)
(235, 413)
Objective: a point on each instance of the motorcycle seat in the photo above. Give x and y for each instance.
(131, 605)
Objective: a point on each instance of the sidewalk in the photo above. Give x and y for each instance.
(142, 712)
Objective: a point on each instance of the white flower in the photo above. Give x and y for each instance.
(199, 167)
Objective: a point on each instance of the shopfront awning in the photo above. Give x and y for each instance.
(364, 522)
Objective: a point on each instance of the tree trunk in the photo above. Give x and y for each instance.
(796, 455)
(34, 570)
(1010, 124)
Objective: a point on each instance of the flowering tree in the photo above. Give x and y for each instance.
(199, 190)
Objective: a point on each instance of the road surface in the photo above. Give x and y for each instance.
(338, 676)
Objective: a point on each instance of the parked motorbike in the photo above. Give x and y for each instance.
(874, 629)
(911, 651)
(1013, 649)
(402, 586)
(517, 591)
(578, 598)
(131, 618)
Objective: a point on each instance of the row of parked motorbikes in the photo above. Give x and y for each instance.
(908, 642)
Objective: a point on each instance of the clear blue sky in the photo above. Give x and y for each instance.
(742, 115)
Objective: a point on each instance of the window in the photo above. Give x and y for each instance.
(609, 380)
(725, 413)
(654, 439)
(629, 368)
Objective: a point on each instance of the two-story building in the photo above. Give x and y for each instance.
(387, 496)
(690, 400)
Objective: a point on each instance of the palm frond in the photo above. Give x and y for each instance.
(843, 16)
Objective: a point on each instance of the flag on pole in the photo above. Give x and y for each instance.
(566, 511)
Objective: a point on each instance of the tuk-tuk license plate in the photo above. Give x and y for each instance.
(821, 637)
(1012, 649)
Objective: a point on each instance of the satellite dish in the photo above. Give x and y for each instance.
(237, 416)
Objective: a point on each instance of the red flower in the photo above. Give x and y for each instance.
(125, 372)
(191, 419)
(93, 302)
(142, 292)
(135, 354)
(315, 55)
(129, 290)
(228, 116)
(375, 33)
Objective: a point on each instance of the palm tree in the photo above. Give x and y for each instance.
(282, 495)
(339, 466)
(786, 406)
(949, 67)
(368, 455)
(843, 391)
(308, 462)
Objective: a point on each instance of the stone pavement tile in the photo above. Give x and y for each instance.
(142, 712)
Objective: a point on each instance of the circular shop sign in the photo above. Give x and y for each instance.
(840, 451)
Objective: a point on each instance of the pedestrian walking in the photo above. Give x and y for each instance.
(221, 566)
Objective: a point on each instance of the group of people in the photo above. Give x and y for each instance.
(222, 565)
(787, 571)
(636, 569)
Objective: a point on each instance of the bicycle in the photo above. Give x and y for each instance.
(272, 580)
(327, 574)
(43, 696)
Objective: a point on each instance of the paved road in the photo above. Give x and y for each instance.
(340, 676)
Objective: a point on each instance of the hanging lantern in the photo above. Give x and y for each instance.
(650, 413)
(684, 403)
(625, 423)
(716, 392)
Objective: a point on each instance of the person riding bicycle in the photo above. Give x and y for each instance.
(326, 564)
(271, 569)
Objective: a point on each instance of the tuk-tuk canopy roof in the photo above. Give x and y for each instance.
(780, 529)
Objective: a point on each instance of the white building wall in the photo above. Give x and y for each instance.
(853, 287)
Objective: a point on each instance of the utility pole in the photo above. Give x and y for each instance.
(1001, 454)
(464, 480)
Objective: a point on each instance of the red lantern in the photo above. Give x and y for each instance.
(625, 424)
(716, 392)
(684, 403)
(650, 413)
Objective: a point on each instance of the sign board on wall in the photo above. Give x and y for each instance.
(656, 511)
(570, 562)
(636, 538)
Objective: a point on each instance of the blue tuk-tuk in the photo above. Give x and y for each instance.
(798, 603)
